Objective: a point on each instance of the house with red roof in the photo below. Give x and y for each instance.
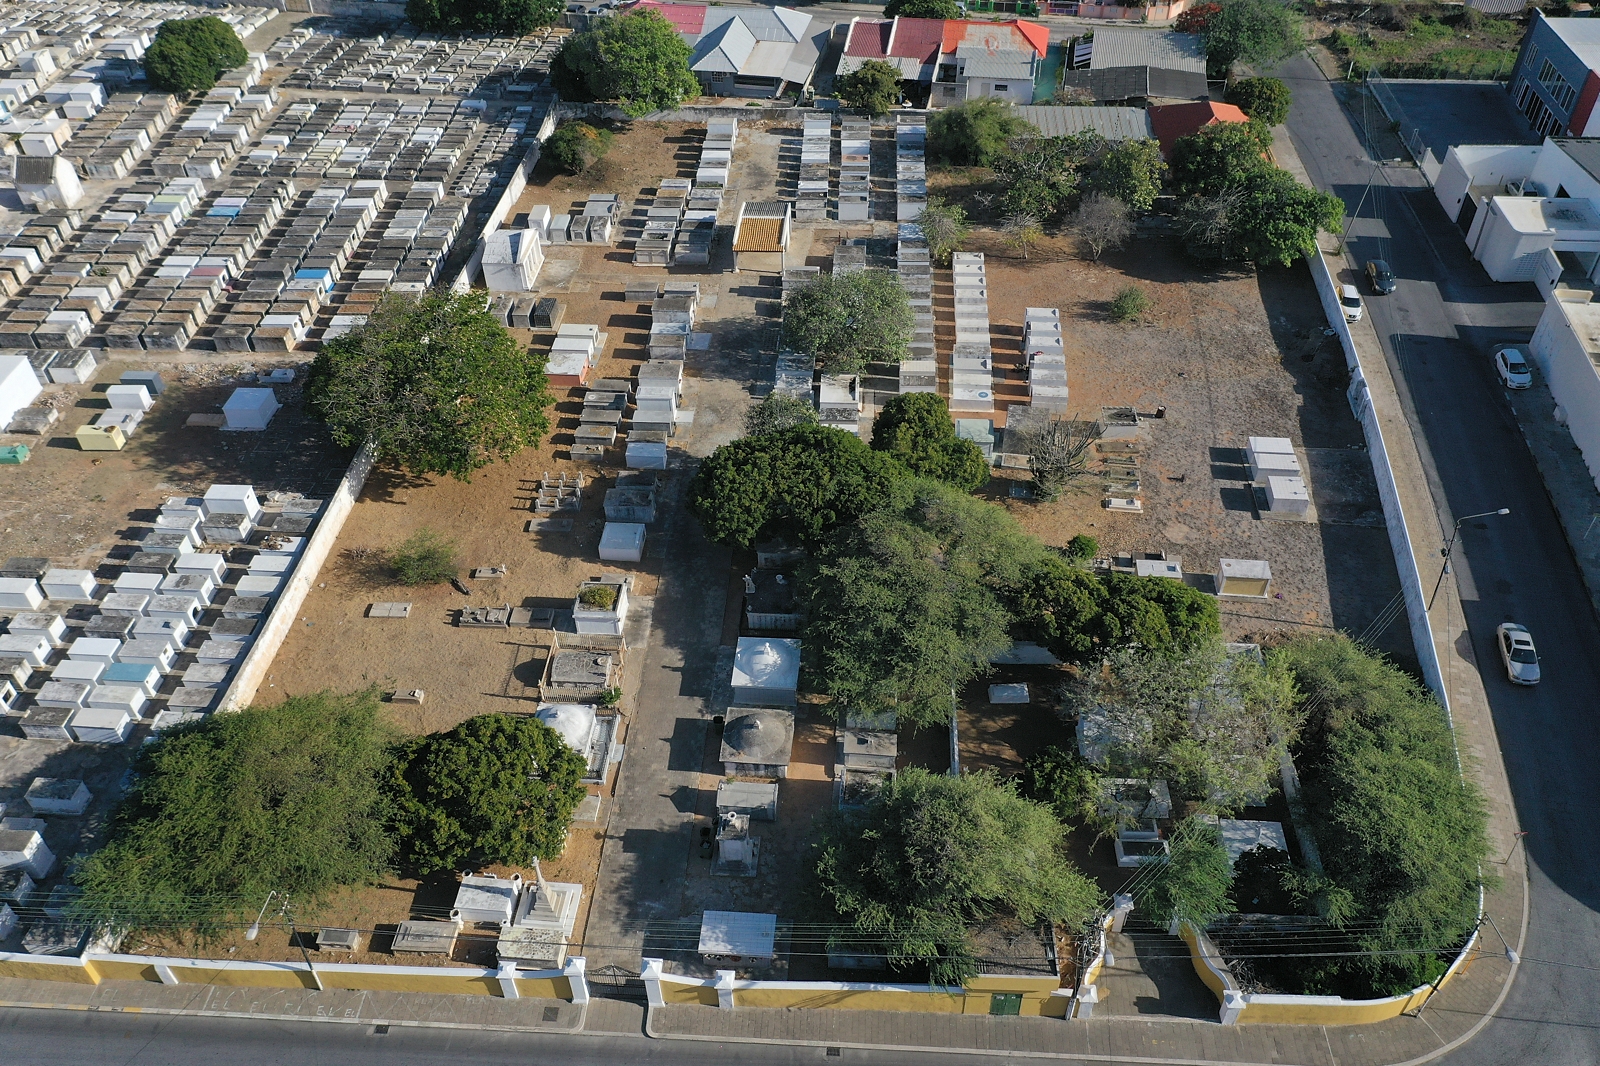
(951, 60)
(1169, 122)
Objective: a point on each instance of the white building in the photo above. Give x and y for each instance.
(1565, 348)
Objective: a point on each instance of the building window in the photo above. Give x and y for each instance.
(1523, 89)
(1002, 87)
(1562, 93)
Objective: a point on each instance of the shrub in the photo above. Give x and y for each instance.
(921, 9)
(916, 429)
(1082, 547)
(221, 812)
(1102, 222)
(777, 412)
(1071, 786)
(498, 788)
(974, 133)
(1259, 32)
(500, 18)
(1130, 304)
(599, 597)
(1194, 20)
(425, 558)
(944, 227)
(1265, 100)
(188, 54)
(874, 87)
(576, 146)
(1194, 880)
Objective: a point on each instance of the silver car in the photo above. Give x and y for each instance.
(1518, 654)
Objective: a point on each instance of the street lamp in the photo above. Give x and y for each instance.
(255, 926)
(1450, 547)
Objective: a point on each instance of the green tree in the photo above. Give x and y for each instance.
(188, 54)
(502, 18)
(1194, 880)
(777, 412)
(974, 133)
(944, 228)
(1067, 782)
(873, 87)
(1081, 548)
(576, 146)
(435, 383)
(845, 321)
(797, 483)
(221, 812)
(1210, 721)
(1266, 100)
(909, 602)
(1131, 172)
(1219, 156)
(921, 9)
(1259, 32)
(1267, 218)
(1060, 607)
(1402, 833)
(916, 429)
(498, 788)
(425, 558)
(1157, 613)
(930, 856)
(1195, 18)
(637, 60)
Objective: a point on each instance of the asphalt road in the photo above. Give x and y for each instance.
(1437, 329)
(70, 1038)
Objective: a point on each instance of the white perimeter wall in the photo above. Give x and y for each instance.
(1570, 373)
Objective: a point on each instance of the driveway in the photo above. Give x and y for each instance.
(1436, 330)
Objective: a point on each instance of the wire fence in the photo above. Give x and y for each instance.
(1409, 133)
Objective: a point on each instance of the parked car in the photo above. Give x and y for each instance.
(1350, 300)
(1518, 654)
(1511, 363)
(1381, 277)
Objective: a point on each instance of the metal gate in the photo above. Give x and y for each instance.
(616, 982)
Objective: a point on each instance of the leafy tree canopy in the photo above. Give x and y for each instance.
(637, 60)
(917, 430)
(188, 54)
(1219, 156)
(873, 87)
(921, 9)
(846, 321)
(224, 811)
(1211, 722)
(576, 146)
(777, 412)
(1403, 835)
(932, 855)
(1067, 782)
(798, 484)
(503, 18)
(1259, 32)
(1195, 18)
(944, 228)
(1264, 99)
(498, 788)
(974, 133)
(1131, 172)
(1194, 879)
(1267, 218)
(436, 383)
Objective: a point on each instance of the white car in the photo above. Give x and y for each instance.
(1350, 300)
(1518, 654)
(1511, 363)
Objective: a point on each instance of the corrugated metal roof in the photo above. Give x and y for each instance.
(759, 235)
(869, 38)
(1119, 46)
(1112, 123)
(1001, 65)
(917, 38)
(739, 933)
(764, 24)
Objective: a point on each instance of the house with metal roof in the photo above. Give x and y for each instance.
(1121, 65)
(1112, 123)
(741, 50)
(951, 60)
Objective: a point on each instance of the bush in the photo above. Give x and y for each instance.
(221, 812)
(975, 133)
(1130, 304)
(1262, 877)
(188, 54)
(1259, 32)
(1266, 100)
(425, 558)
(1194, 880)
(916, 429)
(874, 87)
(498, 788)
(1071, 786)
(1402, 833)
(1157, 613)
(1130, 172)
(576, 146)
(636, 59)
(921, 9)
(932, 855)
(1195, 18)
(777, 412)
(845, 321)
(1219, 156)
(944, 227)
(1082, 547)
(599, 597)
(498, 18)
